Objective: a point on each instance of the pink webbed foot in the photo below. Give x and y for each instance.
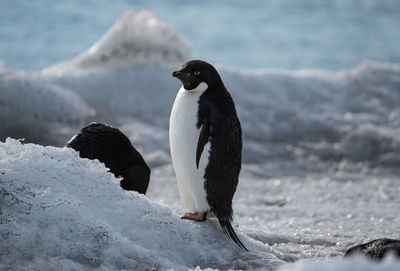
(199, 216)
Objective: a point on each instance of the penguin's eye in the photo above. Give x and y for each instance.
(196, 73)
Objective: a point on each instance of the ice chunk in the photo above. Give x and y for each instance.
(137, 38)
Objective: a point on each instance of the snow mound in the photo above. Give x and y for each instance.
(137, 38)
(22, 96)
(32, 108)
(71, 213)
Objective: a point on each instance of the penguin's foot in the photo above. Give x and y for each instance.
(199, 216)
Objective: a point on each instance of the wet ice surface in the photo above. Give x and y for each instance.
(315, 216)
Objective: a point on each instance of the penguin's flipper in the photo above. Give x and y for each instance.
(203, 139)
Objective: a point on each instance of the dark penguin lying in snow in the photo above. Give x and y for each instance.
(376, 249)
(111, 147)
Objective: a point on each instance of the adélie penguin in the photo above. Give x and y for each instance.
(206, 145)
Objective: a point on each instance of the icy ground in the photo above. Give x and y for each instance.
(59, 208)
(320, 173)
(60, 211)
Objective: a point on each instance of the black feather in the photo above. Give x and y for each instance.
(111, 147)
(228, 229)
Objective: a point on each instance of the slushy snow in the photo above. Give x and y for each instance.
(56, 206)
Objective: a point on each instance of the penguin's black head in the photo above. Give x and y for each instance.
(196, 72)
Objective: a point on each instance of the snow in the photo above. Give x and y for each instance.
(43, 101)
(27, 102)
(58, 207)
(61, 211)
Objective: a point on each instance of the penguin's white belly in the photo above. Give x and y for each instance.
(183, 136)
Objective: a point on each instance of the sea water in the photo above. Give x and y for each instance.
(245, 34)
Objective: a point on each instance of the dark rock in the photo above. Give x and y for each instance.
(376, 249)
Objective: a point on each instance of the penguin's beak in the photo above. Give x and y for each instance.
(179, 74)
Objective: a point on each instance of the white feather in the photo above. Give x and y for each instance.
(72, 138)
(183, 136)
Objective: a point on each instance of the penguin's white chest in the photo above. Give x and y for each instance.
(183, 136)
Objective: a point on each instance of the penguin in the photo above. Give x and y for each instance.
(111, 147)
(206, 145)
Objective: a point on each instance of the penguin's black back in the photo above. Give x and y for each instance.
(222, 172)
(216, 106)
(111, 147)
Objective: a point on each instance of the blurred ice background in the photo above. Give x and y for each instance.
(317, 89)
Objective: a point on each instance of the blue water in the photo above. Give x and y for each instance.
(247, 34)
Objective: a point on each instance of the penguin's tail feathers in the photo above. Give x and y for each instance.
(228, 229)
